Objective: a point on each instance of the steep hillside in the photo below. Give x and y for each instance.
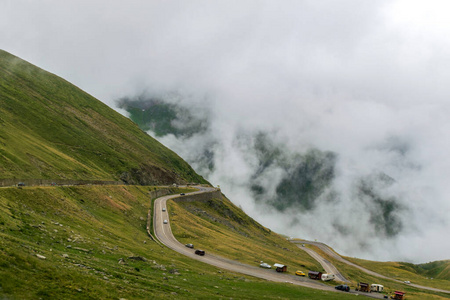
(50, 129)
(218, 226)
(90, 242)
(163, 118)
(435, 269)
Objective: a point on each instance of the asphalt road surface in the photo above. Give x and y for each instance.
(164, 234)
(328, 266)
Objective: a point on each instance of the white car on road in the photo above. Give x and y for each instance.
(265, 265)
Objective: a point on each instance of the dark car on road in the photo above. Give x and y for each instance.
(200, 252)
(343, 287)
(182, 194)
(190, 245)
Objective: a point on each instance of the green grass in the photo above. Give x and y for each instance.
(404, 271)
(435, 269)
(50, 129)
(84, 231)
(355, 275)
(103, 224)
(219, 227)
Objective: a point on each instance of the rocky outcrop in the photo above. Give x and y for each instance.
(151, 175)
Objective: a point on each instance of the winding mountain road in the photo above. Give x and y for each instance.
(334, 255)
(164, 234)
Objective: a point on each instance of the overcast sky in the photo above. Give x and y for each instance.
(343, 76)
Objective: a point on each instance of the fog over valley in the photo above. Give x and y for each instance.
(321, 119)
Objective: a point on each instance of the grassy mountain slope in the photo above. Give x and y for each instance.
(435, 269)
(161, 117)
(394, 270)
(95, 246)
(50, 129)
(219, 227)
(90, 242)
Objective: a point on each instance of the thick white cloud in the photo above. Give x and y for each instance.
(347, 76)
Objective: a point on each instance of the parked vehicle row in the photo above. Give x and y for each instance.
(320, 276)
(280, 268)
(361, 286)
(369, 288)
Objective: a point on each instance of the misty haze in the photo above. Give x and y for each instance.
(322, 120)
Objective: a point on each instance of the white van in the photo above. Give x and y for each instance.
(327, 277)
(376, 288)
